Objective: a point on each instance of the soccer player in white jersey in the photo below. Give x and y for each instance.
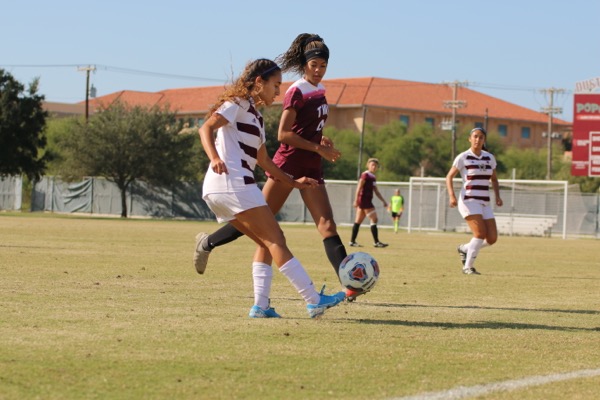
(229, 188)
(477, 168)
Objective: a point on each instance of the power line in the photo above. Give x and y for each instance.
(117, 69)
(157, 74)
(504, 87)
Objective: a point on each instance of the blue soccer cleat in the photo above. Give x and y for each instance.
(257, 312)
(316, 310)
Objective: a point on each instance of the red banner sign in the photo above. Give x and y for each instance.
(586, 135)
(594, 154)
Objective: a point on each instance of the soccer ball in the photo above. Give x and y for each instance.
(359, 271)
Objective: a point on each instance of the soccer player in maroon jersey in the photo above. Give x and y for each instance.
(477, 168)
(301, 151)
(367, 186)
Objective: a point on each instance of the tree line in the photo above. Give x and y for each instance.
(124, 143)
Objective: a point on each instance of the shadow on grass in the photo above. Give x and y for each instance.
(556, 277)
(548, 310)
(476, 325)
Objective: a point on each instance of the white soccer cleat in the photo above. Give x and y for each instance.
(470, 271)
(200, 255)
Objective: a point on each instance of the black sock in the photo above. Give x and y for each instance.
(222, 236)
(335, 250)
(355, 228)
(375, 233)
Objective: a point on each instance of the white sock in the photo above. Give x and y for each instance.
(298, 277)
(465, 247)
(262, 275)
(473, 249)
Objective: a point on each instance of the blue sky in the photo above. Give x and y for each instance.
(508, 49)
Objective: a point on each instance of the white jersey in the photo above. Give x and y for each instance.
(476, 172)
(237, 144)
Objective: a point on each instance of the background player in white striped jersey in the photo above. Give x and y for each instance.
(229, 188)
(477, 168)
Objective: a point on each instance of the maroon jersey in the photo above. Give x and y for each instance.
(365, 196)
(311, 113)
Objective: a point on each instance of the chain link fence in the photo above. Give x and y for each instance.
(543, 208)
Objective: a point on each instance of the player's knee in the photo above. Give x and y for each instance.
(327, 227)
(277, 237)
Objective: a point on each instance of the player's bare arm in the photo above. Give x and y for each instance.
(207, 138)
(266, 163)
(378, 193)
(496, 187)
(450, 187)
(361, 184)
(287, 136)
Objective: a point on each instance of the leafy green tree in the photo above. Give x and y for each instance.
(22, 121)
(428, 150)
(403, 153)
(271, 117)
(198, 164)
(56, 130)
(527, 163)
(123, 143)
(347, 142)
(562, 172)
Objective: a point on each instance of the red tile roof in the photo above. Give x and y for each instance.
(376, 92)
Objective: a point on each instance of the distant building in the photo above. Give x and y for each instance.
(380, 101)
(59, 110)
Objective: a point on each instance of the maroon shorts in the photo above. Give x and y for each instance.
(365, 204)
(298, 171)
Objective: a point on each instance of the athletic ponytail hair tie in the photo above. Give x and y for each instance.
(318, 52)
(313, 38)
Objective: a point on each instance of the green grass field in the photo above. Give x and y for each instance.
(113, 309)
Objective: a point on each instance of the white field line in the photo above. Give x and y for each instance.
(462, 392)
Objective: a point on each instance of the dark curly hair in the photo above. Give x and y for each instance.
(294, 59)
(242, 87)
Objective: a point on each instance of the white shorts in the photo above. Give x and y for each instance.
(225, 206)
(475, 207)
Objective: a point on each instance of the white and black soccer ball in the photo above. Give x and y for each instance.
(359, 272)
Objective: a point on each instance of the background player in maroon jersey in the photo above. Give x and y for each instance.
(302, 149)
(367, 186)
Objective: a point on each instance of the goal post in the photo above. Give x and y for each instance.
(530, 206)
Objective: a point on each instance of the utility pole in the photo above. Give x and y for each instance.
(485, 120)
(550, 110)
(87, 88)
(454, 104)
(360, 145)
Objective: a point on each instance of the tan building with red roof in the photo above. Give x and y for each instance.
(381, 101)
(58, 110)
